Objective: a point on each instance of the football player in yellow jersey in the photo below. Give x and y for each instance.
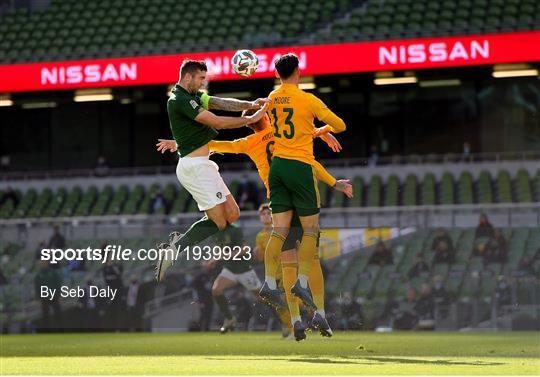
(258, 147)
(292, 180)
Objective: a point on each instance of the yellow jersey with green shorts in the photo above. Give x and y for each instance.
(292, 180)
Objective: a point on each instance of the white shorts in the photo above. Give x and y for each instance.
(248, 279)
(200, 176)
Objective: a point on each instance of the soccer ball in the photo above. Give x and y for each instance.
(244, 62)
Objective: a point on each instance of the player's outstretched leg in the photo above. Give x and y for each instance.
(221, 284)
(269, 292)
(299, 330)
(316, 283)
(300, 288)
(290, 269)
(197, 233)
(306, 252)
(165, 261)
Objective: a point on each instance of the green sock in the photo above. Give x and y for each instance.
(223, 306)
(198, 232)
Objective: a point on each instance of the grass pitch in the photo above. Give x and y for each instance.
(349, 353)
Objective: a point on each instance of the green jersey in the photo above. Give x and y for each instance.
(182, 108)
(233, 237)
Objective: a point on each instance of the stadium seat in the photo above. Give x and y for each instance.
(447, 189)
(410, 190)
(465, 191)
(374, 192)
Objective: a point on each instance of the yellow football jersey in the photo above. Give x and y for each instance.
(292, 112)
(259, 147)
(261, 240)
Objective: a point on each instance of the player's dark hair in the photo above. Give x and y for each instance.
(257, 126)
(264, 207)
(286, 65)
(192, 66)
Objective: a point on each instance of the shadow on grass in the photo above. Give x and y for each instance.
(370, 360)
(397, 360)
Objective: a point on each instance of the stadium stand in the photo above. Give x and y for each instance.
(469, 279)
(395, 19)
(486, 189)
(73, 29)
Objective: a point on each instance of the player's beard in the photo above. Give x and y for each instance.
(191, 87)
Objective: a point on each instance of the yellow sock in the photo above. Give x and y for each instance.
(316, 284)
(306, 253)
(272, 258)
(285, 319)
(289, 278)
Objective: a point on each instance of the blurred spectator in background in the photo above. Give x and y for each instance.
(484, 231)
(419, 266)
(157, 202)
(405, 318)
(102, 167)
(484, 228)
(135, 305)
(496, 249)
(373, 159)
(350, 312)
(57, 240)
(441, 236)
(89, 309)
(526, 266)
(202, 284)
(247, 193)
(466, 154)
(425, 306)
(112, 275)
(47, 277)
(503, 293)
(444, 253)
(381, 256)
(77, 265)
(9, 196)
(440, 295)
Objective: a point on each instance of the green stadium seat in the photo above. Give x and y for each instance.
(465, 191)
(374, 192)
(392, 187)
(504, 187)
(410, 191)
(485, 194)
(447, 189)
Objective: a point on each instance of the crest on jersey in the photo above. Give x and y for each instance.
(219, 195)
(193, 103)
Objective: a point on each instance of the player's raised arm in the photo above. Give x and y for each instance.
(328, 138)
(324, 114)
(221, 122)
(341, 185)
(235, 146)
(232, 104)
